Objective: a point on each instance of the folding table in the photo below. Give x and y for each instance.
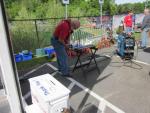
(80, 52)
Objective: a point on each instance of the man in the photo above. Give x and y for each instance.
(128, 22)
(145, 28)
(60, 41)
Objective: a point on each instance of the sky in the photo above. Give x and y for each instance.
(128, 1)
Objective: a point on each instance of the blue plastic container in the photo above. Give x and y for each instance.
(40, 52)
(49, 51)
(26, 57)
(18, 57)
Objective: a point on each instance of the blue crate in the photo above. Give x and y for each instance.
(26, 57)
(49, 51)
(18, 58)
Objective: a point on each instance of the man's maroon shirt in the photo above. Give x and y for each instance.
(63, 30)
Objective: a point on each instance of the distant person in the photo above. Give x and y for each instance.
(128, 22)
(120, 41)
(145, 28)
(60, 41)
(109, 32)
(122, 21)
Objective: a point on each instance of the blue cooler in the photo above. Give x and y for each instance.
(26, 57)
(49, 51)
(18, 57)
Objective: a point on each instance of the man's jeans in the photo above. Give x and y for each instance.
(62, 57)
(144, 37)
(128, 29)
(120, 45)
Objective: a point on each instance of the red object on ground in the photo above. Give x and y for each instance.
(71, 53)
(63, 30)
(104, 43)
(128, 21)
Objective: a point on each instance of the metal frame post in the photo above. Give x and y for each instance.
(66, 2)
(101, 14)
(37, 34)
(66, 12)
(8, 66)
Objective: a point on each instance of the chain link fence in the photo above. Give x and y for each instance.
(31, 34)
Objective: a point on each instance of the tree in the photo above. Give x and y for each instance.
(24, 14)
(136, 7)
(55, 8)
(13, 9)
(109, 7)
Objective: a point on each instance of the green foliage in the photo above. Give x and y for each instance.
(35, 62)
(23, 36)
(54, 8)
(24, 13)
(12, 9)
(24, 33)
(137, 8)
(40, 11)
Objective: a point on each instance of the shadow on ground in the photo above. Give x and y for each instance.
(89, 79)
(147, 50)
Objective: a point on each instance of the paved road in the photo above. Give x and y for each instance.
(121, 85)
(144, 56)
(4, 105)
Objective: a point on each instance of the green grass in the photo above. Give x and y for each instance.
(34, 62)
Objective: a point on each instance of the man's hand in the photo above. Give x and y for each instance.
(66, 45)
(62, 41)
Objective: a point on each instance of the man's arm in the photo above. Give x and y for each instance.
(63, 42)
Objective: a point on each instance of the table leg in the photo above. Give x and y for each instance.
(78, 60)
(93, 58)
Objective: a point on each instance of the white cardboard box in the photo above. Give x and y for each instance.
(34, 108)
(50, 95)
